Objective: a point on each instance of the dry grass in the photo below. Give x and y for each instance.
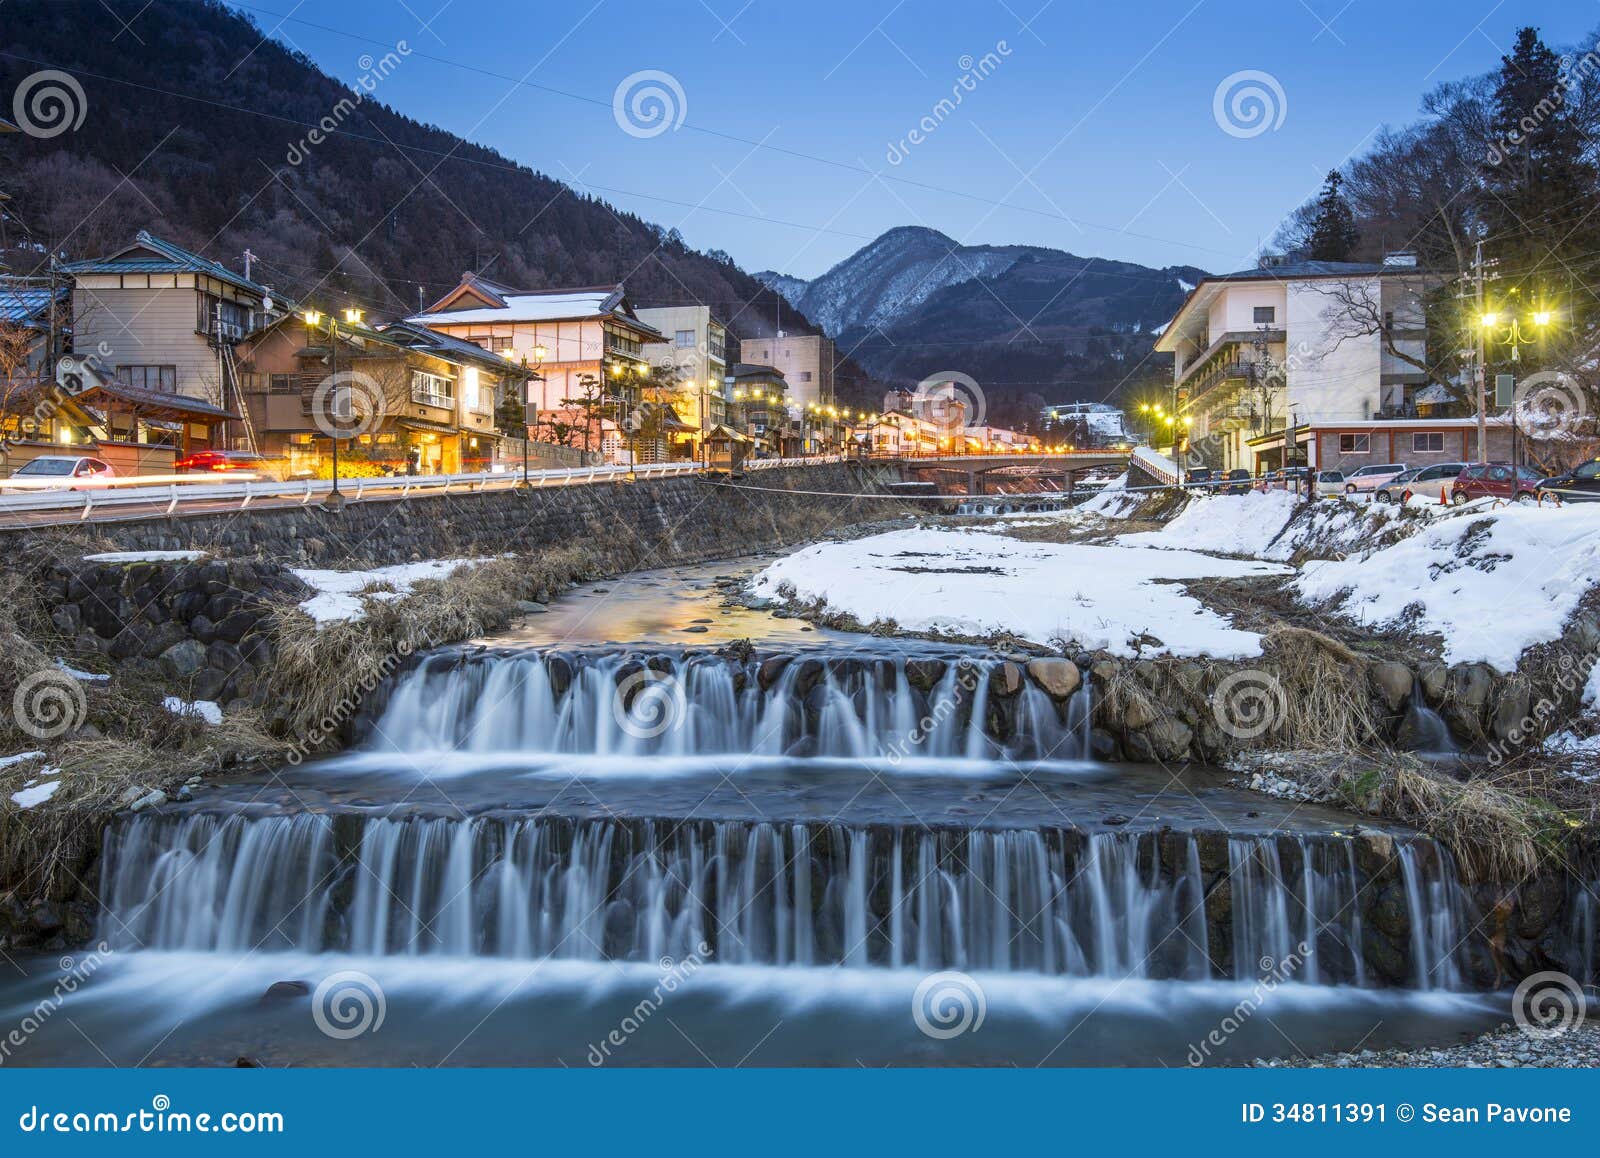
(324, 673)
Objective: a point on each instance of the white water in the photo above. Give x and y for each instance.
(1112, 905)
(698, 706)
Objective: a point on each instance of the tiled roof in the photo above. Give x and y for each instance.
(540, 306)
(26, 302)
(162, 257)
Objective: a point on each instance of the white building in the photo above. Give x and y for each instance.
(1290, 344)
(695, 344)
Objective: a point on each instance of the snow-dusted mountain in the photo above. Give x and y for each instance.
(887, 279)
(1025, 319)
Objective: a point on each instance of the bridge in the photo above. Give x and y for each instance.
(976, 469)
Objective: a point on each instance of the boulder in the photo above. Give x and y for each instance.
(924, 673)
(769, 671)
(1169, 739)
(286, 990)
(1058, 677)
(1509, 714)
(184, 659)
(1394, 682)
(1006, 679)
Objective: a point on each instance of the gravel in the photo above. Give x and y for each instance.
(1508, 1047)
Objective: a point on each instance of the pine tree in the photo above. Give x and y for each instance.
(1333, 230)
(1539, 191)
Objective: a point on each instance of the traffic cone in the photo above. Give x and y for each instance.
(1444, 498)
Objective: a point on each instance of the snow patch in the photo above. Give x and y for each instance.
(144, 556)
(8, 761)
(86, 676)
(973, 583)
(338, 595)
(1226, 524)
(36, 793)
(208, 710)
(1492, 584)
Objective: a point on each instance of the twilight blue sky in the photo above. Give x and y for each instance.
(1094, 130)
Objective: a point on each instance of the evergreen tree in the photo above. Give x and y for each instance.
(1539, 192)
(1333, 229)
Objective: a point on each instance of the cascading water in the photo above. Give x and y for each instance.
(700, 705)
(1425, 731)
(1053, 902)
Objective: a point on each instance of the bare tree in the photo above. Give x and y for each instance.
(1355, 311)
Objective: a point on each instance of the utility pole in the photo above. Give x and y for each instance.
(248, 259)
(1480, 373)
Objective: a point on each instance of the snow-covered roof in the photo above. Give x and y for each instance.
(562, 305)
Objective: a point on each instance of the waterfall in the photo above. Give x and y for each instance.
(695, 705)
(1424, 730)
(1053, 901)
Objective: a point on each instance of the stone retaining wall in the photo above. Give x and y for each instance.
(674, 520)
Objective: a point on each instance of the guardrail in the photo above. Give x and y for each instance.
(174, 489)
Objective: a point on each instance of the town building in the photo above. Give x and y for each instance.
(694, 352)
(584, 348)
(1293, 344)
(419, 401)
(1084, 424)
(760, 409)
(806, 362)
(165, 320)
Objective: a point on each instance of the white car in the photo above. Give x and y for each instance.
(1370, 478)
(1330, 482)
(71, 471)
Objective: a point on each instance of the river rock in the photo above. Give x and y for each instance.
(1058, 677)
(1394, 682)
(1169, 739)
(184, 659)
(924, 674)
(1435, 679)
(286, 990)
(1510, 712)
(1007, 679)
(1390, 913)
(770, 670)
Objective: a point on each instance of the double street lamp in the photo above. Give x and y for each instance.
(338, 396)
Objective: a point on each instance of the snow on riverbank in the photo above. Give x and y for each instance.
(1227, 524)
(975, 584)
(1491, 585)
(338, 595)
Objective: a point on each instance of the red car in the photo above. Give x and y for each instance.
(1496, 480)
(221, 460)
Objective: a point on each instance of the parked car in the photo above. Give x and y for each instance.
(71, 471)
(1330, 482)
(1498, 480)
(1288, 478)
(1199, 477)
(1370, 478)
(1578, 485)
(1234, 482)
(221, 461)
(1417, 479)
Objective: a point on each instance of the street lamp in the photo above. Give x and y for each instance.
(1515, 338)
(539, 355)
(313, 319)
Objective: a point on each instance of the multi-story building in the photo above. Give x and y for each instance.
(420, 401)
(805, 360)
(695, 349)
(758, 397)
(163, 319)
(1290, 344)
(1084, 424)
(585, 346)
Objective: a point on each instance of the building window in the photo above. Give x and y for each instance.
(1355, 444)
(284, 383)
(1428, 443)
(684, 339)
(1266, 315)
(805, 375)
(162, 378)
(224, 319)
(494, 343)
(432, 389)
